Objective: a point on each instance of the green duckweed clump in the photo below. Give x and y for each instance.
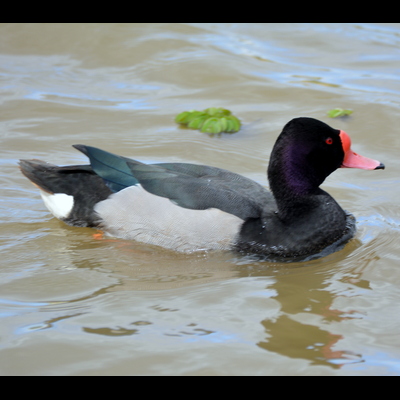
(211, 120)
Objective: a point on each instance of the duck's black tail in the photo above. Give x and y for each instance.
(70, 193)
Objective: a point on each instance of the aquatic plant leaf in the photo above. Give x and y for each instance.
(212, 120)
(211, 125)
(339, 112)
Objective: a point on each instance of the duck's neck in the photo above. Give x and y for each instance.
(294, 183)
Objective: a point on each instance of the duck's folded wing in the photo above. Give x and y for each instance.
(190, 186)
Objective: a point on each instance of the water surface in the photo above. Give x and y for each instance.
(74, 305)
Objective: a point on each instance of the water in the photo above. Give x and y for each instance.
(72, 304)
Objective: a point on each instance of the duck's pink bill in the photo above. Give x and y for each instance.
(354, 160)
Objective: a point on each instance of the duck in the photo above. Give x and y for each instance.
(189, 208)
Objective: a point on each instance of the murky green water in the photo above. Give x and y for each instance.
(74, 305)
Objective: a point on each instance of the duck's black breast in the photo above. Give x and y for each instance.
(322, 227)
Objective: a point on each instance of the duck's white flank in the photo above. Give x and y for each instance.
(134, 213)
(59, 204)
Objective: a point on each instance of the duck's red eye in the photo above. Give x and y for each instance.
(329, 140)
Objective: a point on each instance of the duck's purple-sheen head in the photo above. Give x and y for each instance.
(306, 152)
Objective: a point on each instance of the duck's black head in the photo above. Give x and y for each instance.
(305, 153)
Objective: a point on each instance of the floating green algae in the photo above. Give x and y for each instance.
(339, 112)
(212, 120)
